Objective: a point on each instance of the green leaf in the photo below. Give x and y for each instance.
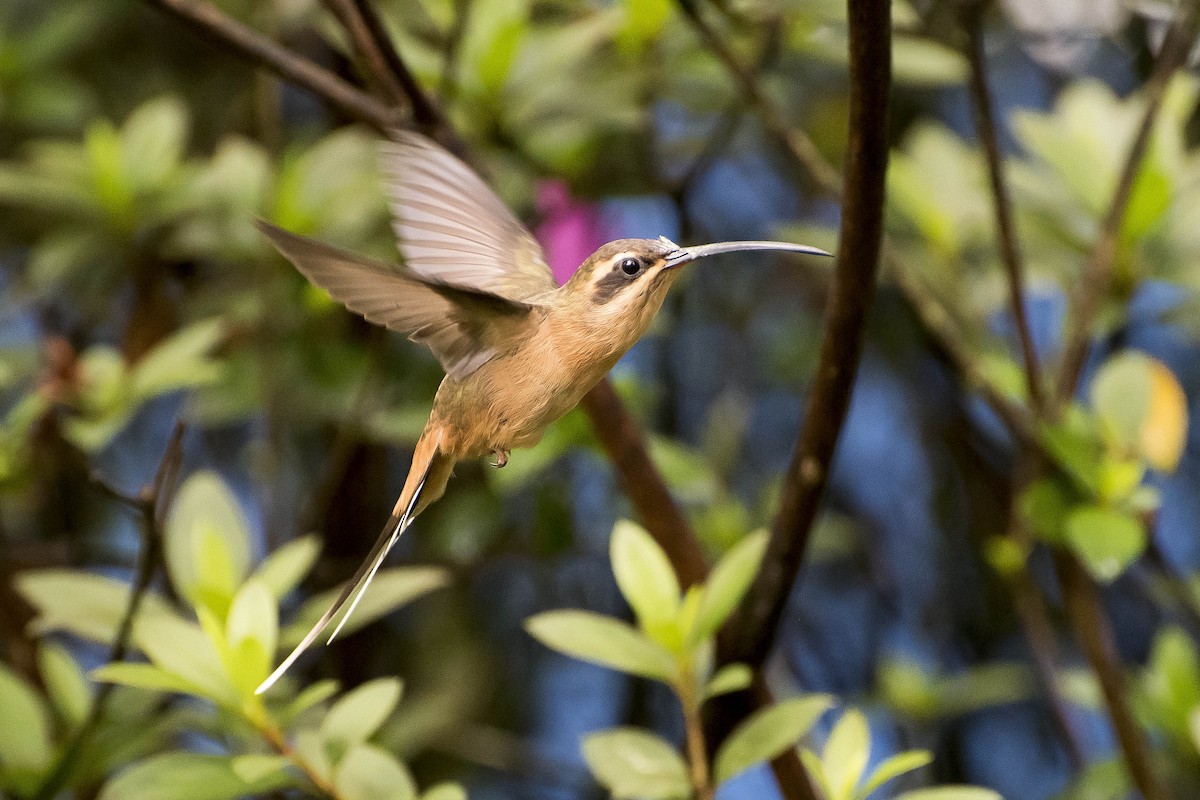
(152, 141)
(894, 767)
(767, 733)
(207, 542)
(369, 773)
(310, 746)
(846, 754)
(1120, 394)
(310, 696)
(951, 793)
(65, 683)
(180, 648)
(445, 791)
(391, 589)
(144, 676)
(1105, 540)
(924, 62)
(179, 362)
(730, 579)
(816, 771)
(1043, 506)
(355, 717)
(1171, 681)
(602, 640)
(254, 768)
(87, 605)
(187, 776)
(634, 763)
(25, 743)
(730, 678)
(644, 574)
(282, 571)
(252, 632)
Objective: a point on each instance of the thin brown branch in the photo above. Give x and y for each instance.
(256, 47)
(1097, 271)
(147, 503)
(802, 149)
(448, 84)
(373, 64)
(981, 102)
(625, 445)
(425, 112)
(1086, 612)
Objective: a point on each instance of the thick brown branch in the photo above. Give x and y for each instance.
(1097, 271)
(981, 101)
(253, 45)
(622, 440)
(847, 308)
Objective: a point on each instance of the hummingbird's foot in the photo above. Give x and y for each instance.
(501, 458)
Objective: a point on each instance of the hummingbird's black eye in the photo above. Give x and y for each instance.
(631, 266)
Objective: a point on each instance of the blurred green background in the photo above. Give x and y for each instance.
(134, 157)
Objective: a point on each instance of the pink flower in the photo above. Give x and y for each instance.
(570, 230)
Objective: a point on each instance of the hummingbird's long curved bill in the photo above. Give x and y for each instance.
(685, 254)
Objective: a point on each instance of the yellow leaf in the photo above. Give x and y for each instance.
(1164, 430)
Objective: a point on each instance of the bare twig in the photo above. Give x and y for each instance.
(1097, 271)
(251, 44)
(448, 85)
(425, 112)
(371, 59)
(149, 504)
(981, 101)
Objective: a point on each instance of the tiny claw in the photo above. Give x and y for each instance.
(501, 458)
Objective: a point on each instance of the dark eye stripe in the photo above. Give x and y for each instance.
(613, 282)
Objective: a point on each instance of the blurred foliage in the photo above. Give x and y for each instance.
(134, 159)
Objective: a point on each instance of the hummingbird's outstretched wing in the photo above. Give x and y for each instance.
(451, 227)
(464, 327)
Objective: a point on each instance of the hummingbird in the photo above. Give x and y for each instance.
(474, 287)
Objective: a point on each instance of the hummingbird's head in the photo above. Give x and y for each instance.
(630, 277)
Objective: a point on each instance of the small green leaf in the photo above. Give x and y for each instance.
(252, 632)
(730, 678)
(951, 793)
(1043, 507)
(207, 542)
(894, 767)
(369, 773)
(187, 776)
(391, 589)
(282, 571)
(255, 768)
(65, 683)
(634, 763)
(87, 605)
(355, 717)
(182, 649)
(767, 733)
(310, 746)
(644, 574)
(445, 791)
(1120, 395)
(846, 753)
(602, 640)
(24, 725)
(1105, 540)
(816, 771)
(730, 579)
(179, 362)
(310, 696)
(144, 676)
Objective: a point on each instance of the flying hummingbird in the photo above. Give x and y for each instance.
(473, 285)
